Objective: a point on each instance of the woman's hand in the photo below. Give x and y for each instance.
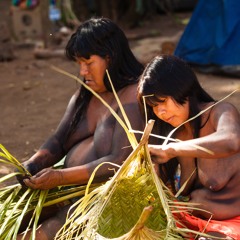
(159, 153)
(48, 178)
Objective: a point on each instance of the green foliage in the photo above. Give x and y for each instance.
(17, 201)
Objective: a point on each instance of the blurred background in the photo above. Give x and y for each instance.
(43, 22)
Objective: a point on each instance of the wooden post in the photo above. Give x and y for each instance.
(44, 6)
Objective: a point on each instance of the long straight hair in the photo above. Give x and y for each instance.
(102, 37)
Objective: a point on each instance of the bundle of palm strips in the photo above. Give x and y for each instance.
(17, 201)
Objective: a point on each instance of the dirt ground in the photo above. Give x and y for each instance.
(33, 96)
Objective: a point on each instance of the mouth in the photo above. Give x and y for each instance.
(168, 119)
(87, 81)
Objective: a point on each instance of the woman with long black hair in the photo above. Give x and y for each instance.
(173, 96)
(88, 133)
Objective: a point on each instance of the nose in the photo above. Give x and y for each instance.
(159, 110)
(83, 69)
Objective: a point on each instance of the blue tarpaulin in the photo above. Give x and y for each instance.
(212, 35)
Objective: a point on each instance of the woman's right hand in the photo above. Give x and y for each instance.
(159, 153)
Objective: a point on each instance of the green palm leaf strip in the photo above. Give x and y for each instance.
(11, 213)
(6, 157)
(16, 201)
(13, 232)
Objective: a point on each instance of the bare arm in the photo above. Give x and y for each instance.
(52, 150)
(119, 151)
(222, 142)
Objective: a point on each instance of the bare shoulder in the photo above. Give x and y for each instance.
(225, 109)
(225, 106)
(128, 93)
(75, 96)
(222, 115)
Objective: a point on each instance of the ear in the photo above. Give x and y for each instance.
(107, 59)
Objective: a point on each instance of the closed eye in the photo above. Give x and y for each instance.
(88, 63)
(162, 100)
(154, 101)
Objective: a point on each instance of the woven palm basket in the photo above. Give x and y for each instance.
(134, 204)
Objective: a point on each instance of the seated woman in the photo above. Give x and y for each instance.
(88, 134)
(173, 96)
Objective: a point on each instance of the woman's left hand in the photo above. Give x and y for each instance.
(48, 178)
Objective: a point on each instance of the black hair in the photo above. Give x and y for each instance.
(101, 36)
(168, 75)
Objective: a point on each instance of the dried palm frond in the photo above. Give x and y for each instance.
(134, 204)
(16, 201)
(120, 209)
